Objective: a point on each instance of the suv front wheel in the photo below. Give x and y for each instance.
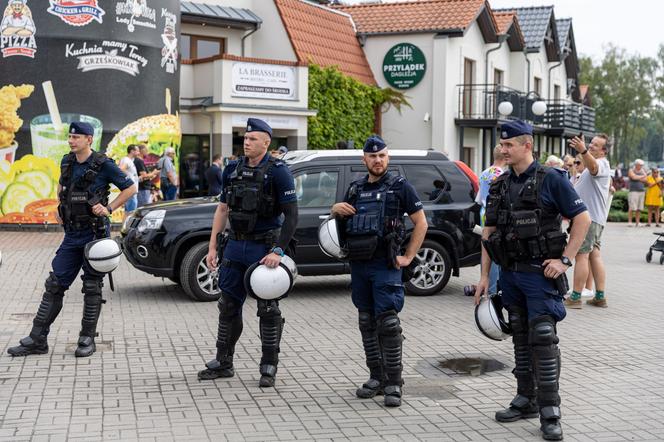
(432, 271)
(197, 280)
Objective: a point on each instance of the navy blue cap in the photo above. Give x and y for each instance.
(515, 128)
(256, 125)
(80, 128)
(374, 144)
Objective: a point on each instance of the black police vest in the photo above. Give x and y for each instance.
(247, 197)
(77, 198)
(526, 229)
(377, 216)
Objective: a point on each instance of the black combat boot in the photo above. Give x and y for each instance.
(49, 308)
(546, 364)
(228, 333)
(374, 386)
(271, 326)
(92, 302)
(390, 338)
(523, 406)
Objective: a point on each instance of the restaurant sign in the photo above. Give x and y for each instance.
(270, 81)
(404, 66)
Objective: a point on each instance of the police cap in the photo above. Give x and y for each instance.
(81, 128)
(515, 128)
(374, 144)
(256, 125)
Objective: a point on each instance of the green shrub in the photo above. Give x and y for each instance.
(346, 107)
(619, 202)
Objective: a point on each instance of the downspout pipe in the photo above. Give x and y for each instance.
(244, 37)
(525, 54)
(501, 40)
(566, 52)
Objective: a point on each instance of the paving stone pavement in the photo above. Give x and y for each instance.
(142, 385)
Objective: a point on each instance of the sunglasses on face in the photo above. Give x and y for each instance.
(577, 162)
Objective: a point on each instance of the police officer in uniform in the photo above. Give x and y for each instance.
(523, 235)
(83, 192)
(374, 231)
(257, 189)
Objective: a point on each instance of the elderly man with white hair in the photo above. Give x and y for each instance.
(168, 179)
(637, 192)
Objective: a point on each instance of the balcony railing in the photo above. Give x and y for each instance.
(565, 114)
(481, 101)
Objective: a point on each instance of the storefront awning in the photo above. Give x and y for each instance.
(238, 18)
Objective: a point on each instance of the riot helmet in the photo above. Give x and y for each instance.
(329, 239)
(490, 320)
(103, 255)
(266, 283)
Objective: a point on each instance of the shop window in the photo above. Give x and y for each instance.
(195, 47)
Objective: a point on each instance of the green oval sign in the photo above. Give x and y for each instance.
(404, 66)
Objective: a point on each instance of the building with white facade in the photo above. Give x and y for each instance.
(474, 59)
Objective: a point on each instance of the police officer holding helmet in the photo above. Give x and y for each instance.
(257, 189)
(83, 209)
(374, 231)
(523, 235)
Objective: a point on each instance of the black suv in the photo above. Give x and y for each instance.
(170, 239)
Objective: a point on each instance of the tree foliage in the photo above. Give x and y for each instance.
(346, 107)
(627, 92)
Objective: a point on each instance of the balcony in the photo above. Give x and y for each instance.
(478, 103)
(563, 114)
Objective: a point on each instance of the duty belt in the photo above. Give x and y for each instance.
(524, 267)
(267, 237)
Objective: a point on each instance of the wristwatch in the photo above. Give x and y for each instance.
(110, 211)
(585, 151)
(565, 260)
(278, 250)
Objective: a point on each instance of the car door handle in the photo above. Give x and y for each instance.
(323, 216)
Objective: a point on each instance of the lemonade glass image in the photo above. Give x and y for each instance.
(49, 143)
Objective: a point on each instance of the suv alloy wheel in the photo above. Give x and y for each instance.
(433, 270)
(197, 280)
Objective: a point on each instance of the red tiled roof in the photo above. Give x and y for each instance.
(504, 20)
(409, 16)
(325, 37)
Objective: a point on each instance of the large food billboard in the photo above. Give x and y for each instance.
(114, 64)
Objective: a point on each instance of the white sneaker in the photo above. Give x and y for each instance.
(585, 293)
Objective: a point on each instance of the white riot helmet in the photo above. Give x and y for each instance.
(103, 255)
(329, 240)
(490, 320)
(263, 282)
(288, 262)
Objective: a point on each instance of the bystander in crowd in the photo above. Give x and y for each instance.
(168, 180)
(653, 197)
(129, 168)
(144, 195)
(637, 192)
(213, 176)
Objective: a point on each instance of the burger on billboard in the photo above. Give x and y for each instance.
(110, 66)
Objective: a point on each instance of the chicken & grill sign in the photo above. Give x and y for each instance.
(404, 66)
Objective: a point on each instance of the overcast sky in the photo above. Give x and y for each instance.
(636, 25)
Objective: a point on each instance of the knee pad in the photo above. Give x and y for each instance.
(229, 307)
(92, 286)
(543, 331)
(268, 309)
(367, 322)
(388, 324)
(518, 318)
(52, 285)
